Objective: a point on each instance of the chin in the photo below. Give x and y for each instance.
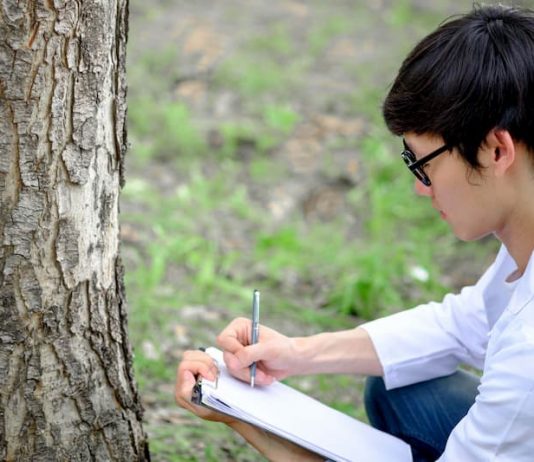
(470, 235)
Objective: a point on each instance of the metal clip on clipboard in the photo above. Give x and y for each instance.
(196, 396)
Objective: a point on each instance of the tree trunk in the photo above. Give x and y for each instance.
(67, 391)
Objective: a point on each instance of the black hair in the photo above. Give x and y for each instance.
(475, 72)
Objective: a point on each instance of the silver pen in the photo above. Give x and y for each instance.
(255, 330)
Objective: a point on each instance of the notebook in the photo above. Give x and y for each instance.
(297, 417)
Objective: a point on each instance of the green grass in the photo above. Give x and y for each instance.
(321, 35)
(183, 443)
(368, 276)
(365, 276)
(152, 369)
(397, 227)
(277, 41)
(204, 242)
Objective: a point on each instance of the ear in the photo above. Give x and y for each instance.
(500, 150)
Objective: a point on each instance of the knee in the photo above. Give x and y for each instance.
(375, 398)
(374, 391)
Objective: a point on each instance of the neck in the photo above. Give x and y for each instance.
(519, 241)
(517, 223)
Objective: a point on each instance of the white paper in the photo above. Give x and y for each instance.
(297, 417)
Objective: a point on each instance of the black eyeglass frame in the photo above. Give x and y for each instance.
(416, 166)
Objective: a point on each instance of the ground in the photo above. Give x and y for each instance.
(258, 159)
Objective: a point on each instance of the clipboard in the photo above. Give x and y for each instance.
(299, 418)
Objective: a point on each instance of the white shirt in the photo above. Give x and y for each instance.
(489, 326)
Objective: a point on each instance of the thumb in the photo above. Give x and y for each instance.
(184, 387)
(239, 364)
(254, 353)
(187, 382)
(244, 357)
(188, 379)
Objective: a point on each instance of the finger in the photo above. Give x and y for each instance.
(186, 380)
(197, 355)
(235, 335)
(262, 351)
(200, 363)
(241, 372)
(183, 394)
(207, 371)
(262, 378)
(236, 368)
(184, 386)
(246, 355)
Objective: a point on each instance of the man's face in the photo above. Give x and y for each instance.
(462, 196)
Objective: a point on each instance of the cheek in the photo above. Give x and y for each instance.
(470, 214)
(452, 195)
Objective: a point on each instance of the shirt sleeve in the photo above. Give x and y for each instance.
(431, 340)
(499, 426)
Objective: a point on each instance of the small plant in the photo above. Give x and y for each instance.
(180, 136)
(280, 118)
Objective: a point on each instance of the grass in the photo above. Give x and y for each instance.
(203, 241)
(383, 260)
(322, 35)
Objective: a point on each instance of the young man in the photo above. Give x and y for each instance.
(463, 101)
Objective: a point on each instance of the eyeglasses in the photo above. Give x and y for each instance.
(417, 166)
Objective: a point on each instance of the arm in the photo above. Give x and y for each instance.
(345, 352)
(433, 339)
(278, 356)
(271, 446)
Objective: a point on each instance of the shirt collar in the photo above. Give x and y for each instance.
(524, 291)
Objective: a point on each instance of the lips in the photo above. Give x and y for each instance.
(441, 212)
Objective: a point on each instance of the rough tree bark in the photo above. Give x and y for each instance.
(66, 386)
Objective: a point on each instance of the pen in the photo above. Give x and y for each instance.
(255, 330)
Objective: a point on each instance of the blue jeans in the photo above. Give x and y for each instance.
(422, 414)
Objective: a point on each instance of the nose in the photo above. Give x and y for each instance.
(421, 189)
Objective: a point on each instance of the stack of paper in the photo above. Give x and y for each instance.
(301, 419)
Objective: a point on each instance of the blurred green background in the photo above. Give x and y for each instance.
(259, 159)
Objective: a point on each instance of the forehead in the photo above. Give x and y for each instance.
(422, 143)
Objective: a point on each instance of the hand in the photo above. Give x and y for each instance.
(274, 448)
(195, 363)
(274, 354)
